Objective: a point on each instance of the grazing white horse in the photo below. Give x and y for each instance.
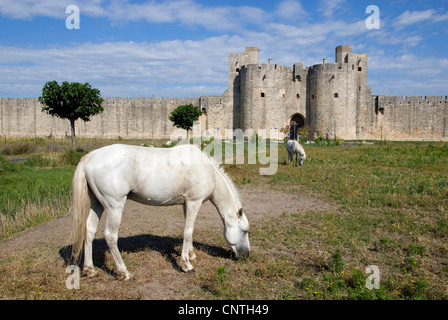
(157, 177)
(294, 148)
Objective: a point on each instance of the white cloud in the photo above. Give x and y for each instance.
(407, 74)
(186, 12)
(199, 67)
(121, 68)
(407, 18)
(290, 9)
(28, 9)
(409, 64)
(329, 7)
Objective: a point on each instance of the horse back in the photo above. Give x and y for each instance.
(155, 176)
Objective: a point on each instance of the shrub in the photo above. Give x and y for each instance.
(71, 157)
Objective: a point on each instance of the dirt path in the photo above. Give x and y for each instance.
(150, 241)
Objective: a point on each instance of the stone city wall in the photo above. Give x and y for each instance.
(122, 118)
(413, 118)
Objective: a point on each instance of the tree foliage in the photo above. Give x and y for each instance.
(184, 116)
(71, 101)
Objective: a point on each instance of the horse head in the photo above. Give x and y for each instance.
(237, 235)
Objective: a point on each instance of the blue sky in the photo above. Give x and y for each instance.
(180, 48)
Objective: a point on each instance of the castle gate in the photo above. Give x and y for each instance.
(297, 122)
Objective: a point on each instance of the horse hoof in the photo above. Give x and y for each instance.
(191, 271)
(90, 273)
(124, 276)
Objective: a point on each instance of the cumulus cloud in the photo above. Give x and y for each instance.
(121, 68)
(29, 9)
(186, 12)
(407, 74)
(408, 17)
(329, 7)
(290, 9)
(185, 67)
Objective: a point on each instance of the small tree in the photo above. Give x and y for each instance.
(184, 116)
(71, 101)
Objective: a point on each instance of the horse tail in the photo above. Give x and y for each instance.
(80, 207)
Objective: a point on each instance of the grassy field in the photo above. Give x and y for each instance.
(391, 200)
(39, 188)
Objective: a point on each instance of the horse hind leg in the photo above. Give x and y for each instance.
(96, 210)
(191, 209)
(113, 221)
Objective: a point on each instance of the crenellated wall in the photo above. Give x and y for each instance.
(138, 117)
(408, 118)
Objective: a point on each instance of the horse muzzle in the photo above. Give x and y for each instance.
(241, 252)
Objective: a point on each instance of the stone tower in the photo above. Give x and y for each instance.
(338, 95)
(327, 98)
(237, 61)
(269, 95)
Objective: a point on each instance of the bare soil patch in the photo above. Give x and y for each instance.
(32, 264)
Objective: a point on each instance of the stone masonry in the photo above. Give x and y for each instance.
(327, 99)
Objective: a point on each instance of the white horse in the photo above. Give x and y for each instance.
(157, 177)
(294, 148)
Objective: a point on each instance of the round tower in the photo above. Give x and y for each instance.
(263, 96)
(336, 93)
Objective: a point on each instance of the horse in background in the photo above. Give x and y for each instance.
(295, 148)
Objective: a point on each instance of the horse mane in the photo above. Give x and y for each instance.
(227, 180)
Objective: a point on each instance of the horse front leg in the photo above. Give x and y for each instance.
(191, 210)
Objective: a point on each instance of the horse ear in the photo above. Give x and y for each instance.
(240, 212)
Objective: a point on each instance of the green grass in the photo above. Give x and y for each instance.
(390, 209)
(29, 196)
(39, 189)
(392, 201)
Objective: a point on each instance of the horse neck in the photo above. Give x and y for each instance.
(224, 198)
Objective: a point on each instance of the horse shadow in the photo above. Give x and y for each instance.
(166, 246)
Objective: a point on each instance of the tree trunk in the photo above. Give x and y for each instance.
(72, 125)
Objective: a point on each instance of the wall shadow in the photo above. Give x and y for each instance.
(166, 246)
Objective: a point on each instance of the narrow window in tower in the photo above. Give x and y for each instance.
(312, 96)
(336, 95)
(237, 69)
(359, 69)
(262, 94)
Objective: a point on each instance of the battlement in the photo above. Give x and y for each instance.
(386, 100)
(150, 100)
(268, 67)
(325, 66)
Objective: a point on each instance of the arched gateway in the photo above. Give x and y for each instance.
(296, 122)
